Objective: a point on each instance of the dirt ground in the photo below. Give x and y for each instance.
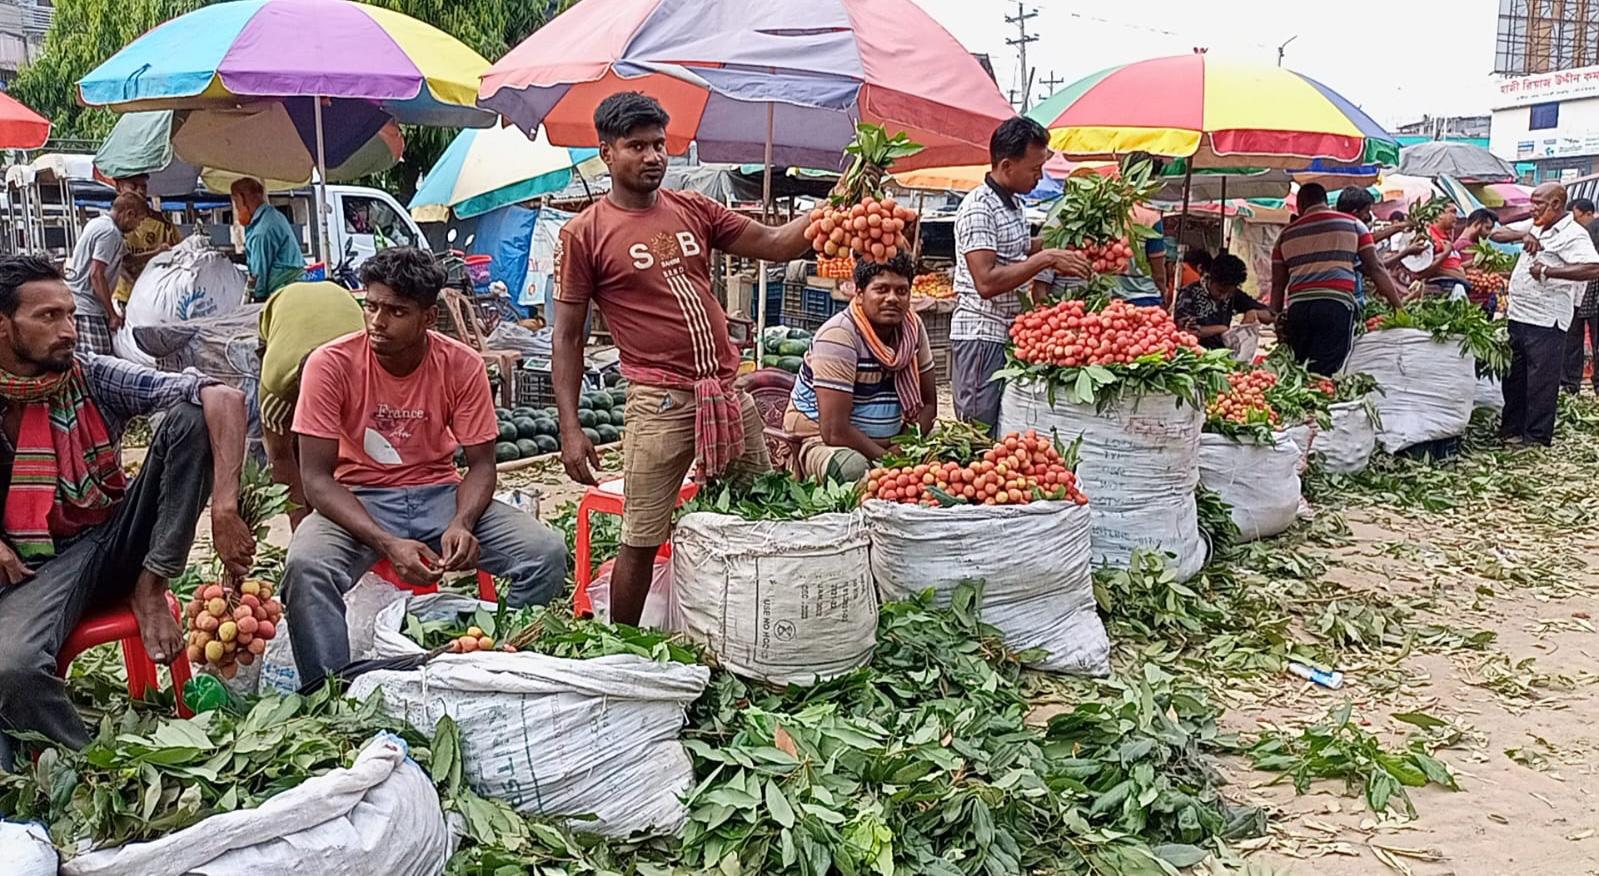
(1539, 815)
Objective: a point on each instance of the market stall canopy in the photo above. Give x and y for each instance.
(233, 53)
(271, 141)
(943, 179)
(20, 127)
(1463, 161)
(720, 66)
(735, 183)
(1217, 113)
(1503, 195)
(484, 169)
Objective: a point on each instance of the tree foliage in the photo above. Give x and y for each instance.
(86, 32)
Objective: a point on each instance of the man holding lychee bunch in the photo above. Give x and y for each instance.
(78, 535)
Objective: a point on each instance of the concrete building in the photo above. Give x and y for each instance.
(1549, 121)
(22, 27)
(1447, 128)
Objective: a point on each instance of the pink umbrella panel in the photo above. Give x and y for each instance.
(720, 67)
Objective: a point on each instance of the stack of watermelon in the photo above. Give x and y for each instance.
(530, 431)
(786, 350)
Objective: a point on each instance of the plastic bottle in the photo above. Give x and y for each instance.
(1330, 679)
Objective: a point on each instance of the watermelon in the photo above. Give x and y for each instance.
(505, 451)
(608, 434)
(502, 414)
(793, 348)
(546, 426)
(791, 364)
(797, 334)
(585, 418)
(526, 427)
(774, 344)
(600, 401)
(527, 447)
(593, 435)
(552, 413)
(612, 378)
(523, 411)
(507, 431)
(617, 419)
(547, 443)
(602, 418)
(618, 399)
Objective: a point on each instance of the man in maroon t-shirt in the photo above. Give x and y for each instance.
(643, 256)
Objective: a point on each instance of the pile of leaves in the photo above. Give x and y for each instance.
(775, 496)
(1487, 340)
(1424, 213)
(147, 775)
(1337, 748)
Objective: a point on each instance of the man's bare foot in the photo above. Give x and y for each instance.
(163, 639)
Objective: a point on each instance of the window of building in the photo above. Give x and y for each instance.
(1544, 116)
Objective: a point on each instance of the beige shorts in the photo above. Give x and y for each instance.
(658, 451)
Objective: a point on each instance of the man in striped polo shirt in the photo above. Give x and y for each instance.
(1313, 271)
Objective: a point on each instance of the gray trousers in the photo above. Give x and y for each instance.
(324, 561)
(153, 528)
(977, 394)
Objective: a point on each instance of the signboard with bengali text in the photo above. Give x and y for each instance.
(1544, 87)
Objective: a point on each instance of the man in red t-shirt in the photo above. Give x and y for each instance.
(380, 415)
(643, 256)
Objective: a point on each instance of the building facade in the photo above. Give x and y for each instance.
(22, 27)
(1549, 121)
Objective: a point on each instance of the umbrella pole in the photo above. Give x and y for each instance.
(322, 191)
(766, 209)
(1224, 213)
(1182, 228)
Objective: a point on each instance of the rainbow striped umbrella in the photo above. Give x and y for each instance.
(1216, 113)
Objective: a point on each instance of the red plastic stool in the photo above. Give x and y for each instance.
(485, 582)
(605, 499)
(119, 625)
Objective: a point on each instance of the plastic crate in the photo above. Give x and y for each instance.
(936, 324)
(793, 301)
(819, 304)
(534, 388)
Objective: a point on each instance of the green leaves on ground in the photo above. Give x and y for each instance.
(1337, 748)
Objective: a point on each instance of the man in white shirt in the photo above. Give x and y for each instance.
(1559, 259)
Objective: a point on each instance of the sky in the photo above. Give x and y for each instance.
(1396, 59)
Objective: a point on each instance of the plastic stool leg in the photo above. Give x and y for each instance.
(181, 673)
(136, 662)
(486, 590)
(583, 548)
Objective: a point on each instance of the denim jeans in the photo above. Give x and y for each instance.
(152, 528)
(324, 561)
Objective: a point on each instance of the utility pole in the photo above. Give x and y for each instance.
(1023, 37)
(1283, 49)
(1051, 83)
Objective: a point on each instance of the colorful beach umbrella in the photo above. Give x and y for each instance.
(737, 74)
(20, 127)
(1217, 113)
(228, 53)
(487, 168)
(320, 58)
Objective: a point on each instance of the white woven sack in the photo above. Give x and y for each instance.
(1259, 481)
(1138, 464)
(192, 280)
(550, 736)
(381, 815)
(1490, 394)
(786, 602)
(1041, 596)
(1346, 447)
(1429, 386)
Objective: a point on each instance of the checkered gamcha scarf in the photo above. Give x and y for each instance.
(67, 474)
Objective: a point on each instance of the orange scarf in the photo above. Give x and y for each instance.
(900, 361)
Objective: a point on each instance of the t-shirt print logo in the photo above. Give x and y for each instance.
(668, 250)
(390, 426)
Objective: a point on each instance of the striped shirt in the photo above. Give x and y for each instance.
(1321, 251)
(839, 359)
(988, 219)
